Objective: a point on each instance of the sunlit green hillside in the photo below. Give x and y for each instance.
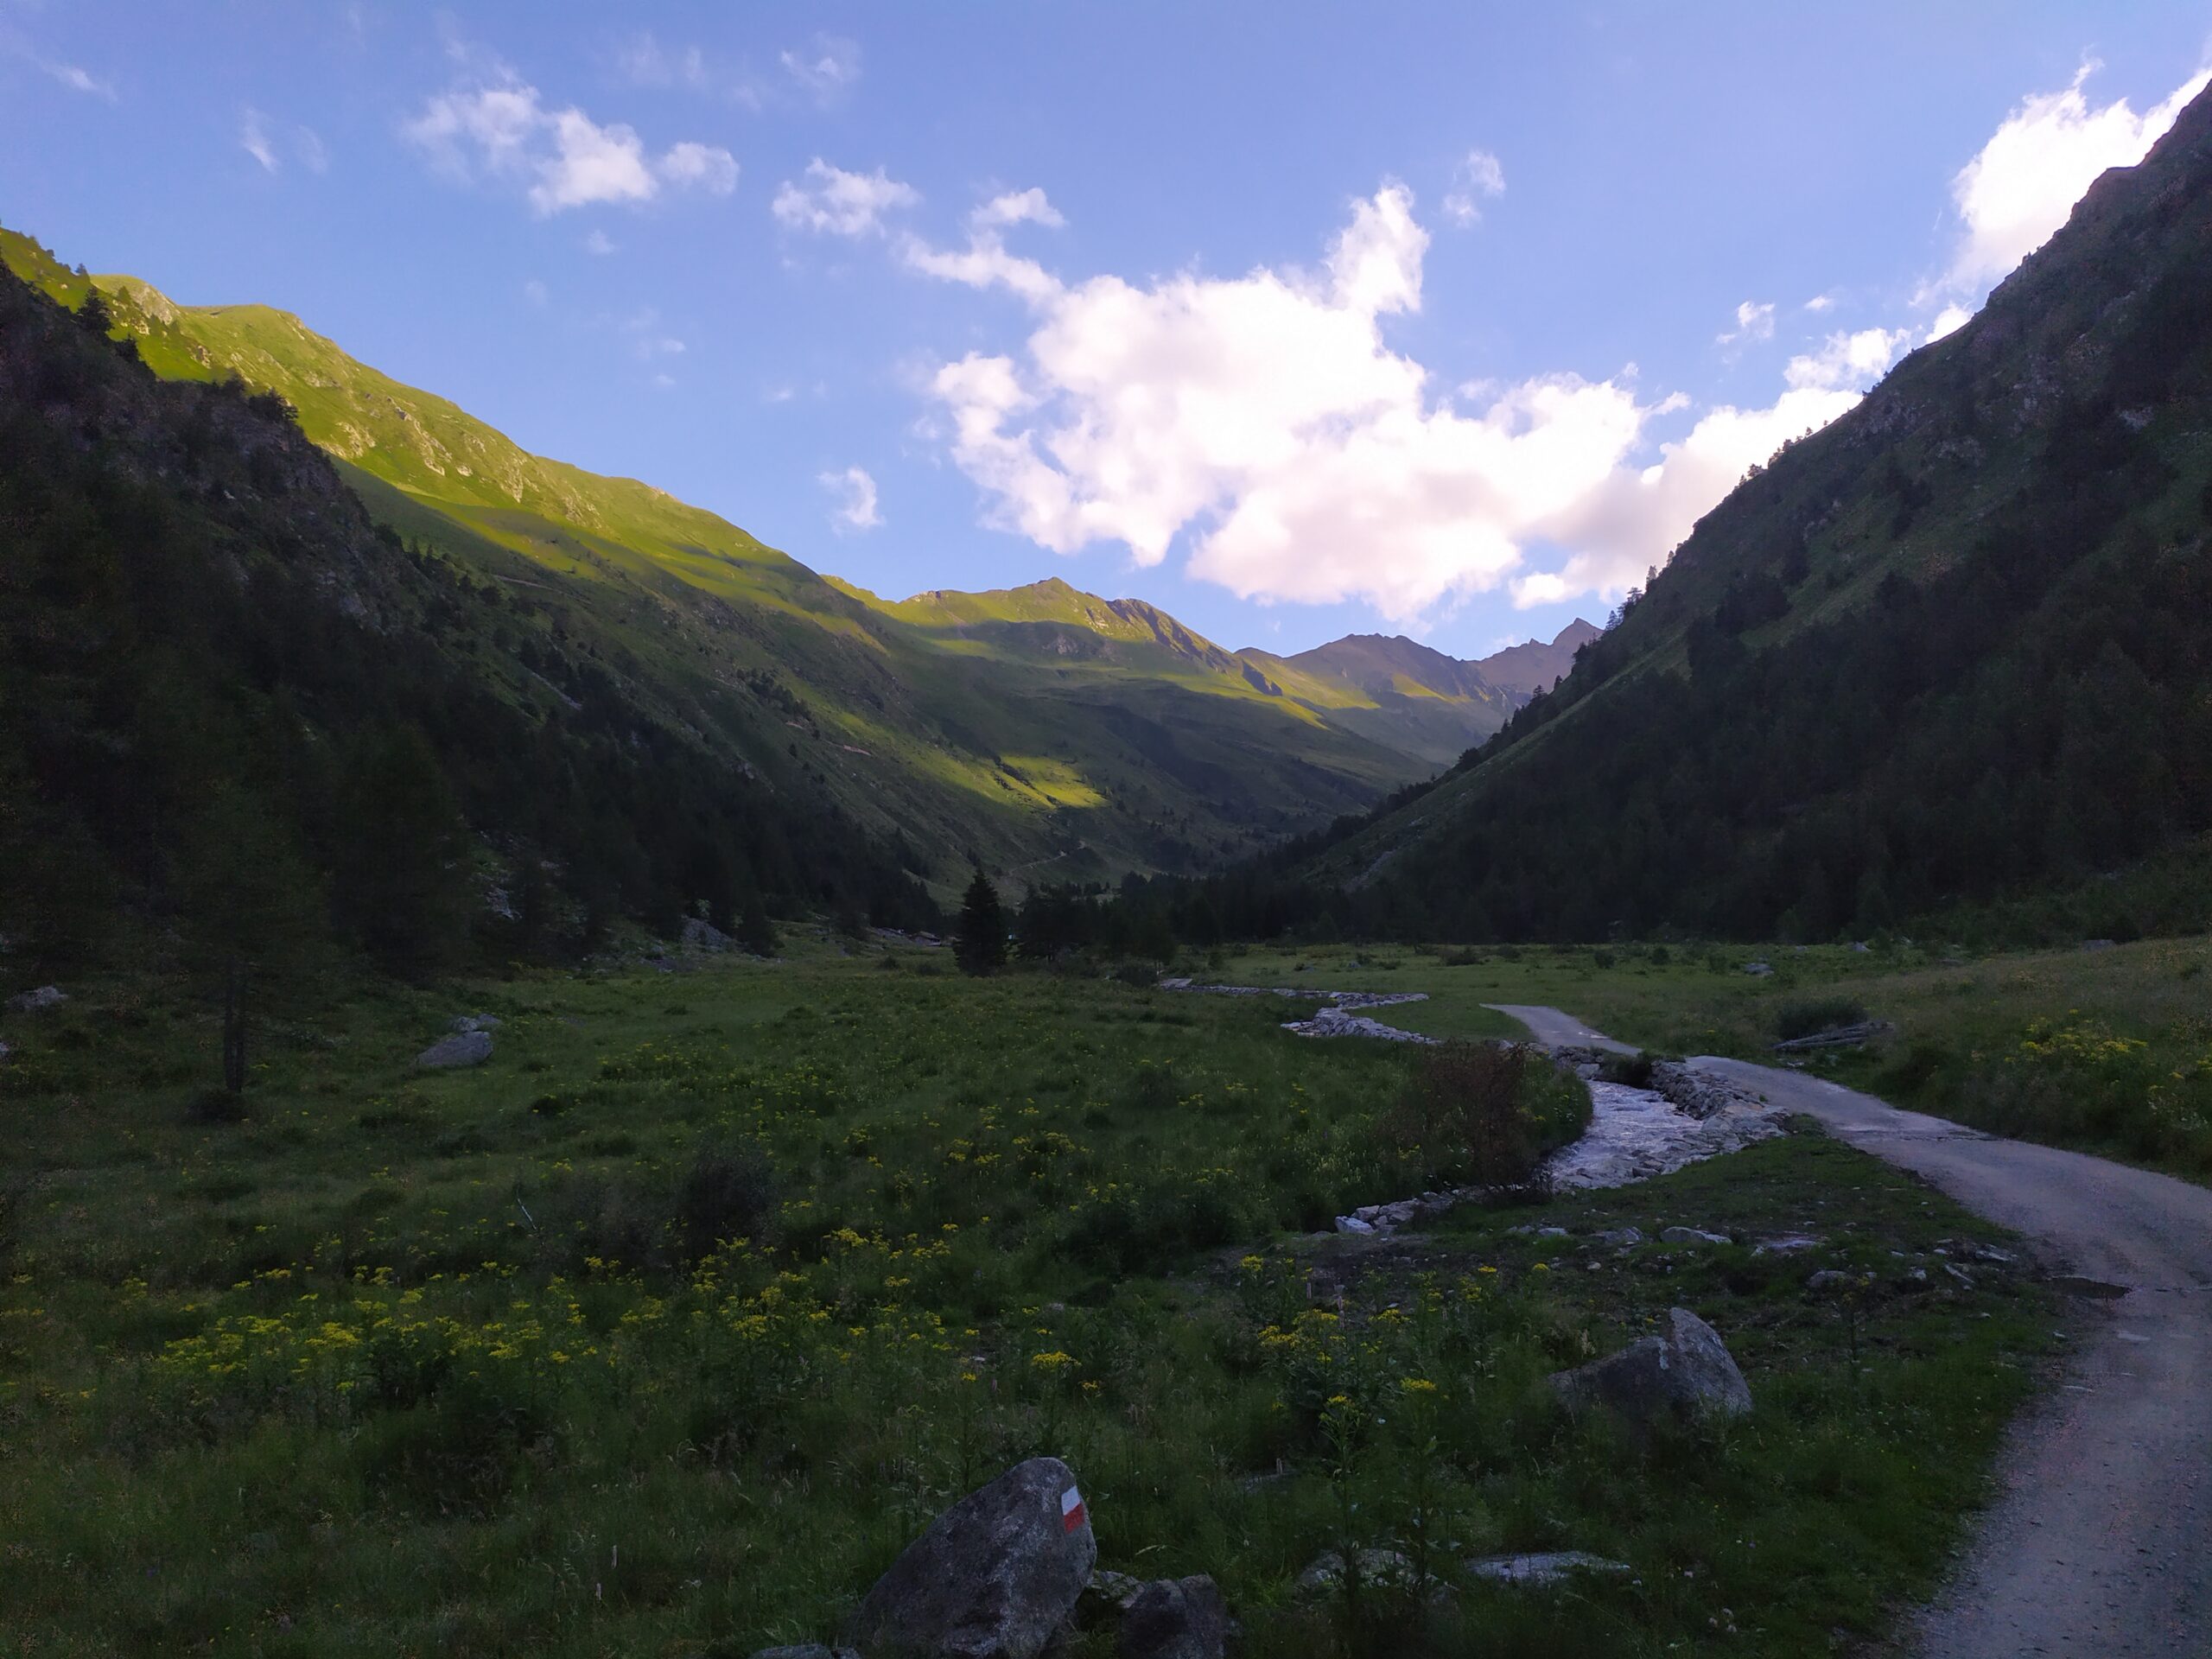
(1040, 731)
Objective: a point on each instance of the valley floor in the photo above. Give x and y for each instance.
(420, 1362)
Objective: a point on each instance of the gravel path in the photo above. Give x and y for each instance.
(2096, 1543)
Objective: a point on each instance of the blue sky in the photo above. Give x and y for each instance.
(1295, 319)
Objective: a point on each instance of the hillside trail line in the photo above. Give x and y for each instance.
(2098, 1540)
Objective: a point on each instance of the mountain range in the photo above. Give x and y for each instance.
(1041, 732)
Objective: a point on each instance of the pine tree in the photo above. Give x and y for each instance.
(979, 943)
(754, 931)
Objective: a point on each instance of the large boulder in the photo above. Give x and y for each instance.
(991, 1578)
(37, 1002)
(1685, 1371)
(464, 1048)
(1175, 1618)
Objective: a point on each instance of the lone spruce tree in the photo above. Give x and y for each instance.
(979, 943)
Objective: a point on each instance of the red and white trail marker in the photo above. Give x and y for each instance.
(1071, 1510)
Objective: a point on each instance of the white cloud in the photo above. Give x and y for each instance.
(826, 68)
(599, 243)
(856, 507)
(645, 62)
(1854, 360)
(1265, 420)
(1754, 322)
(78, 80)
(1821, 302)
(1638, 516)
(535, 292)
(253, 138)
(1018, 207)
(565, 159)
(259, 140)
(1949, 320)
(1479, 174)
(693, 166)
(2026, 179)
(840, 203)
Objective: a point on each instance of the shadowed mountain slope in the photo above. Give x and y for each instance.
(1953, 649)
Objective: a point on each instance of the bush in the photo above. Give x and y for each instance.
(645, 1220)
(1482, 1112)
(728, 1193)
(1815, 1014)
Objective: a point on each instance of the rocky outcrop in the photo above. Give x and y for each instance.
(994, 1577)
(463, 1048)
(1684, 1372)
(1175, 1618)
(1700, 1094)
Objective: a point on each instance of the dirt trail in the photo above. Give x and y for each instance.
(2096, 1543)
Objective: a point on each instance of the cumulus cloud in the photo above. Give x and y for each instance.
(1949, 320)
(505, 131)
(1266, 421)
(1018, 207)
(599, 242)
(985, 262)
(826, 69)
(1754, 322)
(1821, 302)
(1478, 176)
(836, 203)
(2026, 179)
(1856, 358)
(856, 509)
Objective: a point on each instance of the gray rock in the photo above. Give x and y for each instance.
(1691, 1235)
(994, 1577)
(1111, 1587)
(1385, 1567)
(464, 1048)
(1554, 1567)
(703, 934)
(1685, 1371)
(1787, 1244)
(468, 1022)
(1624, 1237)
(1758, 969)
(1175, 1618)
(1354, 1225)
(37, 1002)
(1828, 1279)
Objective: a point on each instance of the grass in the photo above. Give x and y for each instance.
(2107, 1050)
(415, 1362)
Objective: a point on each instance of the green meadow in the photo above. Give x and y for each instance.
(2106, 1048)
(664, 1331)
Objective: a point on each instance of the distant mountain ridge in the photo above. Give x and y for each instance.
(1031, 728)
(1537, 666)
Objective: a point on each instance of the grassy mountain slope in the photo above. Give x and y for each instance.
(1042, 729)
(1954, 648)
(233, 707)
